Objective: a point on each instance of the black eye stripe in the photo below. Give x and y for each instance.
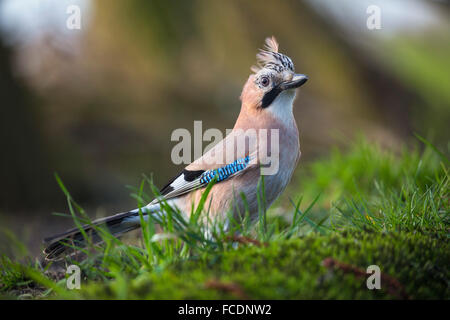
(270, 96)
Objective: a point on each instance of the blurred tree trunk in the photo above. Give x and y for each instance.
(24, 171)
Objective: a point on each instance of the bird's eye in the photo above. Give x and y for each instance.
(265, 81)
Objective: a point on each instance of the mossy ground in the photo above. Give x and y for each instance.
(376, 208)
(294, 269)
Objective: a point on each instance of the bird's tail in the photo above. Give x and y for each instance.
(65, 243)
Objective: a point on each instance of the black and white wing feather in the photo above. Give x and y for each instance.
(189, 180)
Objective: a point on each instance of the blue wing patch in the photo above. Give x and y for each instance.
(224, 172)
(188, 180)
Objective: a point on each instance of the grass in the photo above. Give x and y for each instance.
(360, 207)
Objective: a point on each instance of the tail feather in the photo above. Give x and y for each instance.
(117, 225)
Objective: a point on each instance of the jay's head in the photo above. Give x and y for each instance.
(274, 80)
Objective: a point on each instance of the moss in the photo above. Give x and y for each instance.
(294, 269)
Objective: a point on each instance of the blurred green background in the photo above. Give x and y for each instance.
(98, 105)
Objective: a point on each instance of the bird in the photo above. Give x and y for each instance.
(264, 142)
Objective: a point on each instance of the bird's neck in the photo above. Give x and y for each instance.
(278, 115)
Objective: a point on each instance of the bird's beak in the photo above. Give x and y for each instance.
(297, 81)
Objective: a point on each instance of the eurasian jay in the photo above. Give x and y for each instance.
(263, 142)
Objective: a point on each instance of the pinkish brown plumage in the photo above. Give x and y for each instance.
(264, 141)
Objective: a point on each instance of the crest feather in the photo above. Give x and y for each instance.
(271, 44)
(265, 55)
